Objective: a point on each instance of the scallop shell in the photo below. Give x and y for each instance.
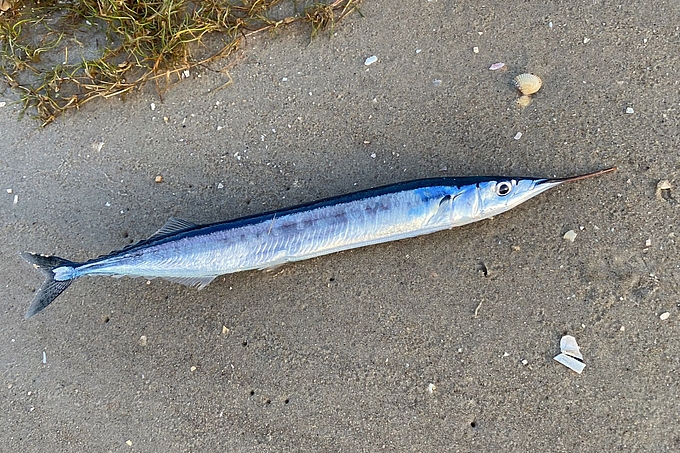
(528, 83)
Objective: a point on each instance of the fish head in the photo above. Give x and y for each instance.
(497, 195)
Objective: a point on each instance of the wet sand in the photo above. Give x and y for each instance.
(438, 343)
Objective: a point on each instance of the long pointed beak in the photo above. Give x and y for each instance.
(555, 181)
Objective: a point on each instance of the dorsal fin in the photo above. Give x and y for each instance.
(172, 226)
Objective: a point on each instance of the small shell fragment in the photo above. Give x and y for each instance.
(630, 110)
(370, 60)
(518, 136)
(570, 236)
(571, 354)
(664, 316)
(158, 178)
(663, 189)
(528, 83)
(496, 66)
(524, 100)
(570, 363)
(569, 346)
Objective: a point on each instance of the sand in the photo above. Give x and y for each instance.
(438, 343)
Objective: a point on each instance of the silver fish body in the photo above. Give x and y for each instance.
(194, 255)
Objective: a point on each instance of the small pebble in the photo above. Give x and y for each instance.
(9, 190)
(437, 82)
(193, 368)
(664, 316)
(3, 103)
(159, 178)
(586, 40)
(128, 443)
(431, 388)
(370, 60)
(525, 362)
(518, 136)
(648, 243)
(629, 110)
(496, 66)
(142, 340)
(475, 49)
(225, 330)
(16, 199)
(570, 236)
(153, 106)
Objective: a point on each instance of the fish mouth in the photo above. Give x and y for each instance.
(555, 181)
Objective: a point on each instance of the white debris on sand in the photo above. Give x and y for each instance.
(571, 354)
(518, 136)
(570, 236)
(496, 66)
(370, 60)
(664, 316)
(431, 388)
(629, 110)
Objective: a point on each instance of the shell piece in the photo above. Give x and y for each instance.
(524, 100)
(528, 83)
(570, 362)
(569, 346)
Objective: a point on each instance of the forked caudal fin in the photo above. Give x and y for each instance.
(50, 288)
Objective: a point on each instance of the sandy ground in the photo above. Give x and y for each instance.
(338, 353)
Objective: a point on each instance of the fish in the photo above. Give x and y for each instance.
(191, 254)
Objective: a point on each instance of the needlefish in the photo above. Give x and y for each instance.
(195, 255)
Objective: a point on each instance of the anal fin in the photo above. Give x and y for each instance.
(200, 282)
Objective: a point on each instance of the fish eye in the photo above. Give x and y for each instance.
(503, 188)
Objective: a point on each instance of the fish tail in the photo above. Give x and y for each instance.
(59, 273)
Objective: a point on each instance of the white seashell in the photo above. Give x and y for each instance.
(528, 83)
(496, 66)
(569, 346)
(571, 237)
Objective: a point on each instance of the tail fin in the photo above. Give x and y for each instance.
(50, 288)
